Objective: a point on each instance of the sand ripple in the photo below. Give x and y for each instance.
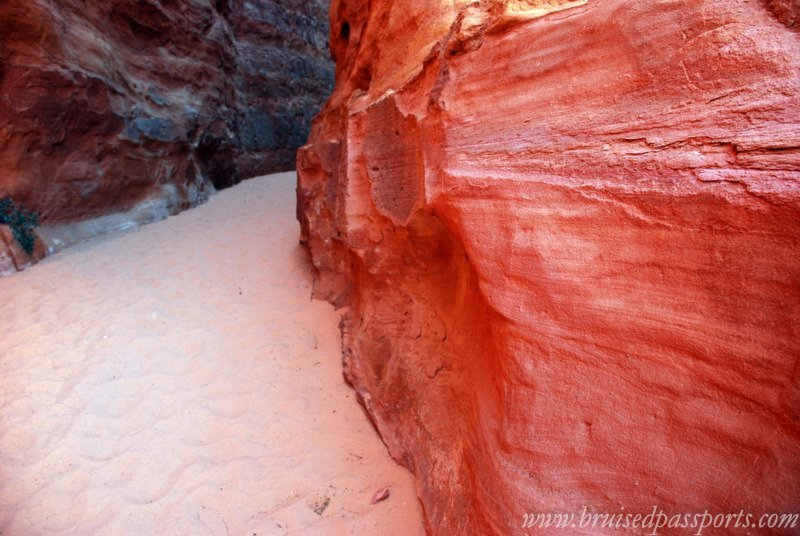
(178, 380)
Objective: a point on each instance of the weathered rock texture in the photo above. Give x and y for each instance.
(12, 257)
(104, 104)
(568, 238)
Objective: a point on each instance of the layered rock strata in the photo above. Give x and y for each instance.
(106, 104)
(566, 238)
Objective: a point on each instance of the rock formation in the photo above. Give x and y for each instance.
(104, 104)
(566, 238)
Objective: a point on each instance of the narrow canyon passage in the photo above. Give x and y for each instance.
(178, 379)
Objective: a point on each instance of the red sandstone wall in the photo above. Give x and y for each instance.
(566, 236)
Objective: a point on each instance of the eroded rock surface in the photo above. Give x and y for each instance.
(567, 236)
(104, 104)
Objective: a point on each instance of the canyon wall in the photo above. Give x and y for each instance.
(106, 104)
(565, 237)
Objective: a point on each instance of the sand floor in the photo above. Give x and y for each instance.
(178, 379)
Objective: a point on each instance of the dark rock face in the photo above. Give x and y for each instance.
(103, 104)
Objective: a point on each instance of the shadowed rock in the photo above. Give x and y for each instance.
(102, 103)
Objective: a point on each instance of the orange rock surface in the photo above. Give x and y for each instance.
(567, 238)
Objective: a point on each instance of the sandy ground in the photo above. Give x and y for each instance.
(179, 380)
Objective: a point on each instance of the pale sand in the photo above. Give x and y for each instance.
(179, 380)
